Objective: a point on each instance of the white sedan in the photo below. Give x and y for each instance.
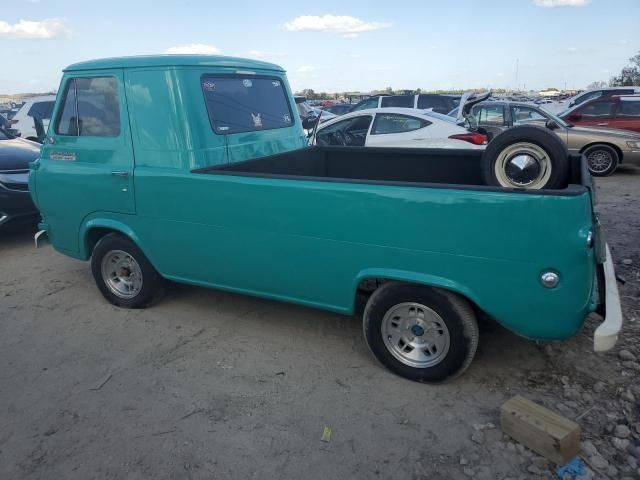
(397, 127)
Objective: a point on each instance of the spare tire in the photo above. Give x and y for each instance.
(527, 157)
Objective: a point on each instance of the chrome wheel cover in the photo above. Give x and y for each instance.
(523, 165)
(121, 274)
(415, 335)
(599, 161)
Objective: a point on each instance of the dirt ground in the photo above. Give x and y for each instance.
(211, 385)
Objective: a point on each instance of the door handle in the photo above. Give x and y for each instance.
(601, 124)
(120, 173)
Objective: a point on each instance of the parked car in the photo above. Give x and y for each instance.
(561, 107)
(34, 106)
(338, 109)
(16, 205)
(309, 115)
(621, 112)
(436, 102)
(397, 127)
(5, 124)
(605, 149)
(417, 229)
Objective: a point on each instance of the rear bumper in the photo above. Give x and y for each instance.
(606, 335)
(15, 205)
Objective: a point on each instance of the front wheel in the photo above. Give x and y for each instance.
(123, 274)
(602, 160)
(420, 333)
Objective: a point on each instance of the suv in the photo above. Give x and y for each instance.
(564, 106)
(34, 107)
(438, 103)
(622, 112)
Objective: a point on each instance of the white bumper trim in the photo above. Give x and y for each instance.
(606, 334)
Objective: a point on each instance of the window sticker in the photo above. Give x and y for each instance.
(257, 121)
(275, 83)
(209, 86)
(223, 129)
(247, 83)
(286, 118)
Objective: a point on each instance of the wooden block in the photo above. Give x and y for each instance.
(540, 429)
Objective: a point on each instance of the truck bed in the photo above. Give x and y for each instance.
(428, 167)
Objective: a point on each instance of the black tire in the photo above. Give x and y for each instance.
(539, 143)
(602, 160)
(152, 282)
(452, 309)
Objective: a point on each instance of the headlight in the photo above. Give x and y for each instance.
(634, 145)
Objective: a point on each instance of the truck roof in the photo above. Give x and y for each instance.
(172, 61)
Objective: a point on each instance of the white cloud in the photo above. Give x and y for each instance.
(561, 3)
(194, 48)
(305, 69)
(344, 25)
(30, 29)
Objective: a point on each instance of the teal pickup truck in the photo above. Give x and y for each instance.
(196, 169)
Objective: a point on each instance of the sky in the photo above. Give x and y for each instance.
(334, 45)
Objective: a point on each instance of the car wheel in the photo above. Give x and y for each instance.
(420, 333)
(123, 274)
(526, 157)
(602, 160)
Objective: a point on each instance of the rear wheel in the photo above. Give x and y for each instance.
(420, 333)
(123, 274)
(602, 160)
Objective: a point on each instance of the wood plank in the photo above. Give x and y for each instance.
(538, 428)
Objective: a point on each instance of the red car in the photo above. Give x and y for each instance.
(622, 111)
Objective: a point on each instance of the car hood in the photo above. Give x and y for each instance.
(16, 153)
(604, 133)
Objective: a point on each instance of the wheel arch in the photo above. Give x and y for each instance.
(434, 281)
(610, 145)
(96, 228)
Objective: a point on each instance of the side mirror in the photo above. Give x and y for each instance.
(572, 103)
(552, 125)
(309, 122)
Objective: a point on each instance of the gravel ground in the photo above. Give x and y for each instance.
(211, 385)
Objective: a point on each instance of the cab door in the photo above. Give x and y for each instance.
(86, 163)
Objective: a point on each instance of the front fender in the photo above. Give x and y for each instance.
(96, 221)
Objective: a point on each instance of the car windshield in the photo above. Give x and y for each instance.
(4, 135)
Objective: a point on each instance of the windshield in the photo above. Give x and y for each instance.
(555, 118)
(4, 135)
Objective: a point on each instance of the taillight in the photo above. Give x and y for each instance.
(471, 137)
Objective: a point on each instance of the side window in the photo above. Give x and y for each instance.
(401, 101)
(90, 108)
(525, 114)
(394, 123)
(598, 109)
(587, 96)
(629, 108)
(368, 103)
(437, 103)
(351, 132)
(41, 109)
(489, 114)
